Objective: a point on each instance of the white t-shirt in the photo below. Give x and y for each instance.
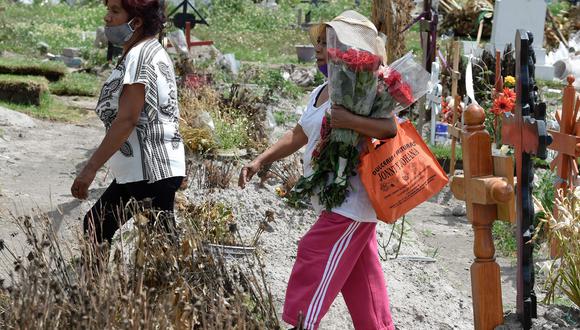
(154, 150)
(357, 205)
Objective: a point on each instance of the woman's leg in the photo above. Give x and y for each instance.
(162, 195)
(326, 256)
(365, 291)
(104, 218)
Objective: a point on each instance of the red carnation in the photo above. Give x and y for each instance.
(393, 78)
(402, 94)
(349, 56)
(361, 60)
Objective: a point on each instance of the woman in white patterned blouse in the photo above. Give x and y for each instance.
(138, 106)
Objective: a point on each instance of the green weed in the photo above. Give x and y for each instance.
(504, 237)
(60, 26)
(444, 151)
(283, 118)
(231, 129)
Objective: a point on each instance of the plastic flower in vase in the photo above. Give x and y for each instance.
(509, 93)
(503, 102)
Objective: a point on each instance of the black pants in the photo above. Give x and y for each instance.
(109, 212)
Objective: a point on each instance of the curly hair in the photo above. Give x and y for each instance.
(150, 11)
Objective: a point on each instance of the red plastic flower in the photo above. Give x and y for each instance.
(502, 104)
(402, 93)
(393, 78)
(509, 93)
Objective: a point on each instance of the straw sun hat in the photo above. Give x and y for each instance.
(354, 30)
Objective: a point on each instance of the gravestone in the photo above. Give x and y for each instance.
(530, 15)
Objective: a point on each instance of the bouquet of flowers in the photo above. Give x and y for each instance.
(359, 83)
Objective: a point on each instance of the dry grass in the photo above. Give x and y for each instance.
(169, 283)
(564, 229)
(288, 171)
(211, 174)
(192, 102)
(214, 221)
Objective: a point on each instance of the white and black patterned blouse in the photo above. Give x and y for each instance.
(154, 150)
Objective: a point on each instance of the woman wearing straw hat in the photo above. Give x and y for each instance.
(339, 253)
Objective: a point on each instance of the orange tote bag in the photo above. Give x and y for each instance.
(400, 173)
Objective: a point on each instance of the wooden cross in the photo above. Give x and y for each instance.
(487, 189)
(526, 132)
(452, 129)
(567, 143)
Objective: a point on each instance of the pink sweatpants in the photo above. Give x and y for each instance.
(338, 255)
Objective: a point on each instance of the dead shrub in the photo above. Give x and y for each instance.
(564, 229)
(171, 284)
(211, 174)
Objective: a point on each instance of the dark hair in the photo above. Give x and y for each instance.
(150, 11)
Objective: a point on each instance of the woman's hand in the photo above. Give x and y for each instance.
(80, 187)
(340, 117)
(287, 145)
(248, 172)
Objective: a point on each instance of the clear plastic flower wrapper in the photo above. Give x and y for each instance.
(400, 84)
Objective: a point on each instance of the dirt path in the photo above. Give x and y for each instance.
(39, 161)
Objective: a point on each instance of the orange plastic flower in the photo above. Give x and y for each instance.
(510, 94)
(502, 104)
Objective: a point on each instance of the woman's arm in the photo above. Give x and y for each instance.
(378, 128)
(287, 145)
(131, 104)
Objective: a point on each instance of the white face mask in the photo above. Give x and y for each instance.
(119, 34)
